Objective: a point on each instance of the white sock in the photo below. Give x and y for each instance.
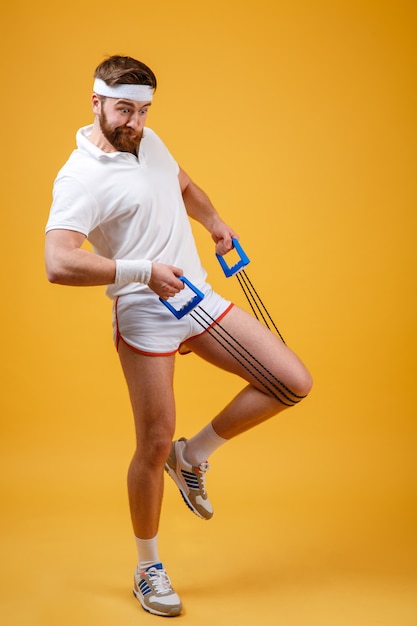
(202, 445)
(147, 552)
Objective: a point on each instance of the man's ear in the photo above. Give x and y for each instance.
(95, 103)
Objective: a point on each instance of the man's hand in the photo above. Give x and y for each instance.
(222, 236)
(164, 280)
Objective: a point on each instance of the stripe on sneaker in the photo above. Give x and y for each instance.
(191, 479)
(144, 587)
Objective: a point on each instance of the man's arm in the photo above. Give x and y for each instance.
(200, 208)
(68, 264)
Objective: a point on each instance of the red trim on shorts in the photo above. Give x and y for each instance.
(216, 321)
(116, 342)
(120, 338)
(143, 351)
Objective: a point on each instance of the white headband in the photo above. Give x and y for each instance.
(140, 93)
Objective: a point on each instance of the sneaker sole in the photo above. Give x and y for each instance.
(174, 611)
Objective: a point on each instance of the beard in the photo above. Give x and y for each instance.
(122, 138)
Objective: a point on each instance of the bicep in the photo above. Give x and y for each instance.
(63, 240)
(59, 243)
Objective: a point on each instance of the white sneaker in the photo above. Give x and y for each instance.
(190, 480)
(154, 591)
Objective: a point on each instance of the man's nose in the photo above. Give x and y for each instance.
(135, 121)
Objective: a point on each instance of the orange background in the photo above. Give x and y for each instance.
(299, 119)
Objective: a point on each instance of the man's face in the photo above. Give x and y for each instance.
(122, 123)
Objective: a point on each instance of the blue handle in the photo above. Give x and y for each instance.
(188, 306)
(243, 261)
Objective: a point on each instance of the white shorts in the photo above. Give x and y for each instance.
(148, 327)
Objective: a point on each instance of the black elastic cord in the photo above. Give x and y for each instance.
(251, 293)
(215, 329)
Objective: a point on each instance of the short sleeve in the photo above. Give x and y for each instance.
(73, 207)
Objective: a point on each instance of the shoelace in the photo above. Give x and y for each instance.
(202, 469)
(159, 580)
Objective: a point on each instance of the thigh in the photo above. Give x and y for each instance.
(150, 384)
(244, 346)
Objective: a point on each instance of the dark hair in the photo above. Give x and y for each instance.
(116, 70)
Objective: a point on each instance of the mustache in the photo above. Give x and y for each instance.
(122, 138)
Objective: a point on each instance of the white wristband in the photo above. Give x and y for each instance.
(128, 271)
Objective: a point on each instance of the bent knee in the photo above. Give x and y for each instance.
(303, 384)
(297, 387)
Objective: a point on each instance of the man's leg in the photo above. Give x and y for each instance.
(149, 379)
(256, 403)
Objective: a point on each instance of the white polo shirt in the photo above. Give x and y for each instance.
(128, 207)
